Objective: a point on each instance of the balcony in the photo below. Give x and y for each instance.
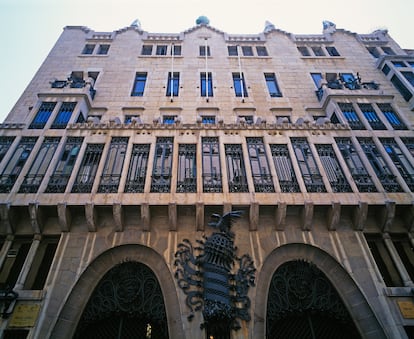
(74, 86)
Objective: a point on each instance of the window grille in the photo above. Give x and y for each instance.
(137, 170)
(87, 171)
(262, 179)
(371, 116)
(161, 172)
(64, 115)
(284, 169)
(187, 168)
(212, 181)
(236, 171)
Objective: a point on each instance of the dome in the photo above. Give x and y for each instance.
(202, 20)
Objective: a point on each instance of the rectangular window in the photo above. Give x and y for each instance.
(248, 119)
(203, 51)
(64, 115)
(392, 116)
(247, 50)
(239, 85)
(333, 169)
(88, 49)
(173, 84)
(351, 116)
(206, 84)
(14, 261)
(317, 79)
(405, 252)
(42, 262)
(161, 50)
(383, 172)
(88, 168)
(310, 172)
(146, 50)
(411, 64)
(284, 169)
(232, 50)
(386, 69)
(399, 64)
(374, 52)
(262, 179)
(388, 50)
(383, 259)
(5, 143)
(211, 165)
(43, 115)
(372, 117)
(355, 165)
(332, 51)
(303, 50)
(236, 171)
(37, 171)
(409, 76)
(261, 51)
(409, 143)
(103, 49)
(114, 163)
(16, 163)
(137, 170)
(406, 94)
(64, 168)
(161, 172)
(168, 119)
(349, 81)
(139, 84)
(318, 51)
(400, 161)
(187, 168)
(208, 119)
(272, 86)
(175, 50)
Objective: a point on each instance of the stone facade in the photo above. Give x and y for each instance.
(316, 150)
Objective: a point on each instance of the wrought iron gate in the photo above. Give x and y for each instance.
(127, 303)
(304, 304)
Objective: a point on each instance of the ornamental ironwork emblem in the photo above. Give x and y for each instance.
(215, 280)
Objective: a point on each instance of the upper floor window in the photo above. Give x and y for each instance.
(382, 170)
(187, 168)
(206, 84)
(262, 178)
(239, 85)
(247, 50)
(372, 117)
(130, 118)
(103, 49)
(307, 164)
(146, 50)
(88, 168)
(64, 115)
(373, 51)
(16, 163)
(233, 50)
(400, 161)
(399, 64)
(168, 119)
(137, 170)
(332, 51)
(43, 115)
(208, 119)
(111, 175)
(318, 51)
(161, 172)
(212, 181)
(400, 86)
(5, 143)
(303, 50)
(37, 171)
(284, 169)
(387, 50)
(236, 171)
(355, 165)
(88, 49)
(176, 50)
(173, 84)
(409, 76)
(392, 116)
(409, 143)
(332, 169)
(63, 170)
(161, 50)
(272, 85)
(261, 51)
(139, 84)
(203, 50)
(317, 79)
(351, 116)
(248, 119)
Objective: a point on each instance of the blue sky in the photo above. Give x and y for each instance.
(31, 27)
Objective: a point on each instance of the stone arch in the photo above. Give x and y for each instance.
(71, 312)
(352, 297)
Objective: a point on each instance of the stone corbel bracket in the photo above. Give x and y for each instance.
(36, 217)
(64, 217)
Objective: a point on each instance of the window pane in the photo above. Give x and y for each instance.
(247, 50)
(272, 85)
(137, 170)
(161, 172)
(351, 116)
(64, 115)
(139, 85)
(406, 94)
(103, 49)
(87, 171)
(232, 50)
(161, 50)
(372, 117)
(206, 85)
(332, 51)
(392, 116)
(88, 49)
(174, 83)
(5, 143)
(239, 85)
(146, 50)
(303, 50)
(261, 51)
(43, 114)
(187, 168)
(236, 171)
(284, 169)
(211, 165)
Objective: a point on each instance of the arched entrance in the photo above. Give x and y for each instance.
(127, 303)
(303, 303)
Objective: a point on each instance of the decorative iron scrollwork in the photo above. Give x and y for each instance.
(207, 279)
